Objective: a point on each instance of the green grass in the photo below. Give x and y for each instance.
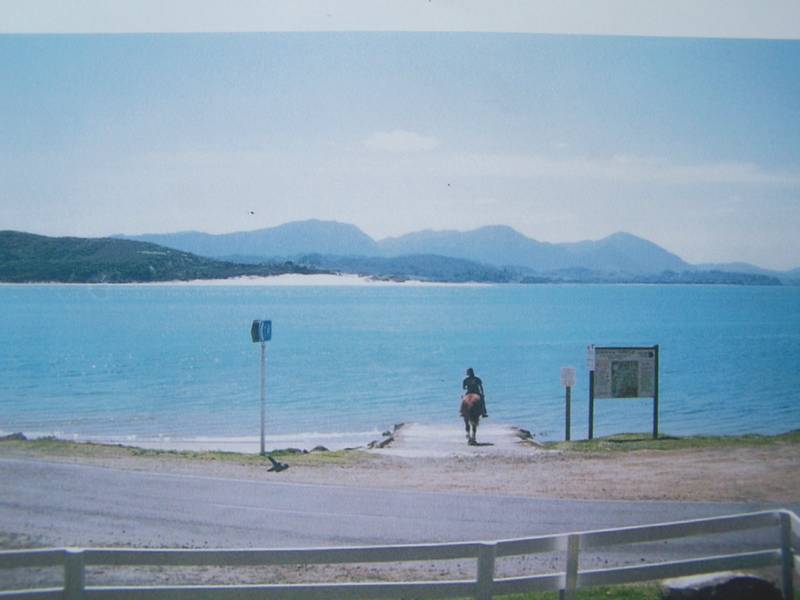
(626, 442)
(55, 447)
(619, 592)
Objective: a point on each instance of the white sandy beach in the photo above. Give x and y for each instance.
(284, 280)
(297, 279)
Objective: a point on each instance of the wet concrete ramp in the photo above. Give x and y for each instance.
(426, 440)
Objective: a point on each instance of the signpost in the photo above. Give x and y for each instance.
(568, 381)
(623, 373)
(590, 364)
(261, 331)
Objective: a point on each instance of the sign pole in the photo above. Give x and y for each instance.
(655, 395)
(263, 395)
(261, 331)
(568, 380)
(568, 411)
(591, 404)
(591, 364)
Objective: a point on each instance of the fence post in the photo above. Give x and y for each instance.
(74, 575)
(571, 574)
(485, 582)
(787, 557)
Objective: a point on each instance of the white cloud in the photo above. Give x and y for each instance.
(626, 169)
(643, 169)
(401, 142)
(618, 169)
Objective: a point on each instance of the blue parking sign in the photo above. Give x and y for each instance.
(261, 331)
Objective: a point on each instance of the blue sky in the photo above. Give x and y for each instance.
(691, 143)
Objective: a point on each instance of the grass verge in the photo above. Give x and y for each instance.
(626, 442)
(650, 591)
(623, 442)
(51, 447)
(619, 592)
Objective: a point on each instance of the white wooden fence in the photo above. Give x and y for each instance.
(785, 525)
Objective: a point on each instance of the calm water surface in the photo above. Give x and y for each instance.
(139, 361)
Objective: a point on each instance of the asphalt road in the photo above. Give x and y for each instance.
(57, 504)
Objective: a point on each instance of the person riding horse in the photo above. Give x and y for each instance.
(474, 385)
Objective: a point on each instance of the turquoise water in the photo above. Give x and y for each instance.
(177, 361)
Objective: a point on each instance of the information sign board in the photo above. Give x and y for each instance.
(625, 373)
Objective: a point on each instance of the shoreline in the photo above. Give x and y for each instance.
(354, 280)
(733, 469)
(433, 436)
(249, 445)
(284, 280)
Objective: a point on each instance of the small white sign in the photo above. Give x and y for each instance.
(590, 362)
(568, 376)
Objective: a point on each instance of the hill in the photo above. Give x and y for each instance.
(623, 252)
(497, 246)
(420, 267)
(494, 253)
(25, 257)
(787, 277)
(502, 245)
(287, 240)
(487, 254)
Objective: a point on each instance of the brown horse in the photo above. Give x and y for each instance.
(471, 411)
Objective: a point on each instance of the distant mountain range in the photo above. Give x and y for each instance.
(499, 253)
(487, 254)
(285, 241)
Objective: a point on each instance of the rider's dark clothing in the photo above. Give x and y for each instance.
(474, 385)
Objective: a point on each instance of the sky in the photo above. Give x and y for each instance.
(692, 143)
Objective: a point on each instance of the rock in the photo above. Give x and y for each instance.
(319, 449)
(380, 444)
(526, 438)
(720, 586)
(14, 437)
(524, 433)
(290, 451)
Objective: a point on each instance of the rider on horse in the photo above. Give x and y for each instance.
(474, 385)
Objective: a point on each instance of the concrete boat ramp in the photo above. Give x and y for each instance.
(419, 440)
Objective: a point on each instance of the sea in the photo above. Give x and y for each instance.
(175, 364)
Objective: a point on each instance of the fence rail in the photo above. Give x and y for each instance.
(75, 560)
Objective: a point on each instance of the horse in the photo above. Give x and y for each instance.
(471, 411)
